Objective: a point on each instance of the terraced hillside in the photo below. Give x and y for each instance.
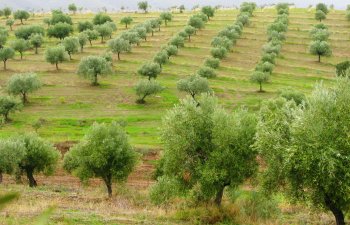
(69, 105)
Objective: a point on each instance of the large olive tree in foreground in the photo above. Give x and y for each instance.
(104, 152)
(91, 67)
(23, 84)
(206, 149)
(306, 148)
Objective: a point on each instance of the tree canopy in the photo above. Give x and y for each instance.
(23, 84)
(91, 67)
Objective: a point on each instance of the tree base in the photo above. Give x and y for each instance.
(140, 101)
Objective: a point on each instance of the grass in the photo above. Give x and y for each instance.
(70, 105)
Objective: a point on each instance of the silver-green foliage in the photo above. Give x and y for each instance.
(23, 84)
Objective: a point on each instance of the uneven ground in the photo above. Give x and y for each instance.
(70, 105)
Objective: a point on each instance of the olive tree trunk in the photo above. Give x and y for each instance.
(108, 181)
(338, 214)
(32, 181)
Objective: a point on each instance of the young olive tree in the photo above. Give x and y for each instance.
(71, 45)
(126, 20)
(206, 72)
(72, 8)
(161, 58)
(20, 45)
(85, 25)
(118, 46)
(194, 85)
(104, 31)
(320, 48)
(83, 39)
(105, 153)
(206, 149)
(55, 55)
(189, 30)
(7, 12)
(143, 6)
(40, 156)
(11, 153)
(196, 22)
(171, 50)
(306, 149)
(8, 105)
(4, 34)
(10, 22)
(23, 84)
(218, 52)
(259, 77)
(101, 18)
(177, 41)
(212, 62)
(320, 15)
(36, 40)
(24, 32)
(6, 53)
(208, 11)
(60, 30)
(145, 88)
(150, 70)
(91, 67)
(21, 15)
(166, 16)
(92, 35)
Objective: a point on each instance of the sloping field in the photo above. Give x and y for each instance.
(70, 105)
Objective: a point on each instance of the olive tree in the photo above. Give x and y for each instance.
(10, 22)
(150, 70)
(141, 32)
(196, 22)
(320, 15)
(11, 153)
(101, 18)
(320, 48)
(143, 6)
(71, 45)
(40, 156)
(104, 31)
(104, 152)
(342, 68)
(171, 50)
(6, 53)
(60, 30)
(322, 7)
(85, 25)
(166, 16)
(206, 149)
(212, 62)
(23, 84)
(218, 52)
(119, 45)
(92, 35)
(177, 41)
(82, 38)
(59, 17)
(189, 30)
(306, 149)
(3, 36)
(7, 12)
(206, 72)
(131, 36)
(91, 67)
(208, 11)
(72, 8)
(161, 58)
(259, 77)
(21, 15)
(20, 45)
(55, 55)
(36, 40)
(194, 85)
(145, 88)
(126, 20)
(8, 105)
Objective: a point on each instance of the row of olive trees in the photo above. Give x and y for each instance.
(222, 43)
(319, 45)
(276, 35)
(151, 70)
(303, 144)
